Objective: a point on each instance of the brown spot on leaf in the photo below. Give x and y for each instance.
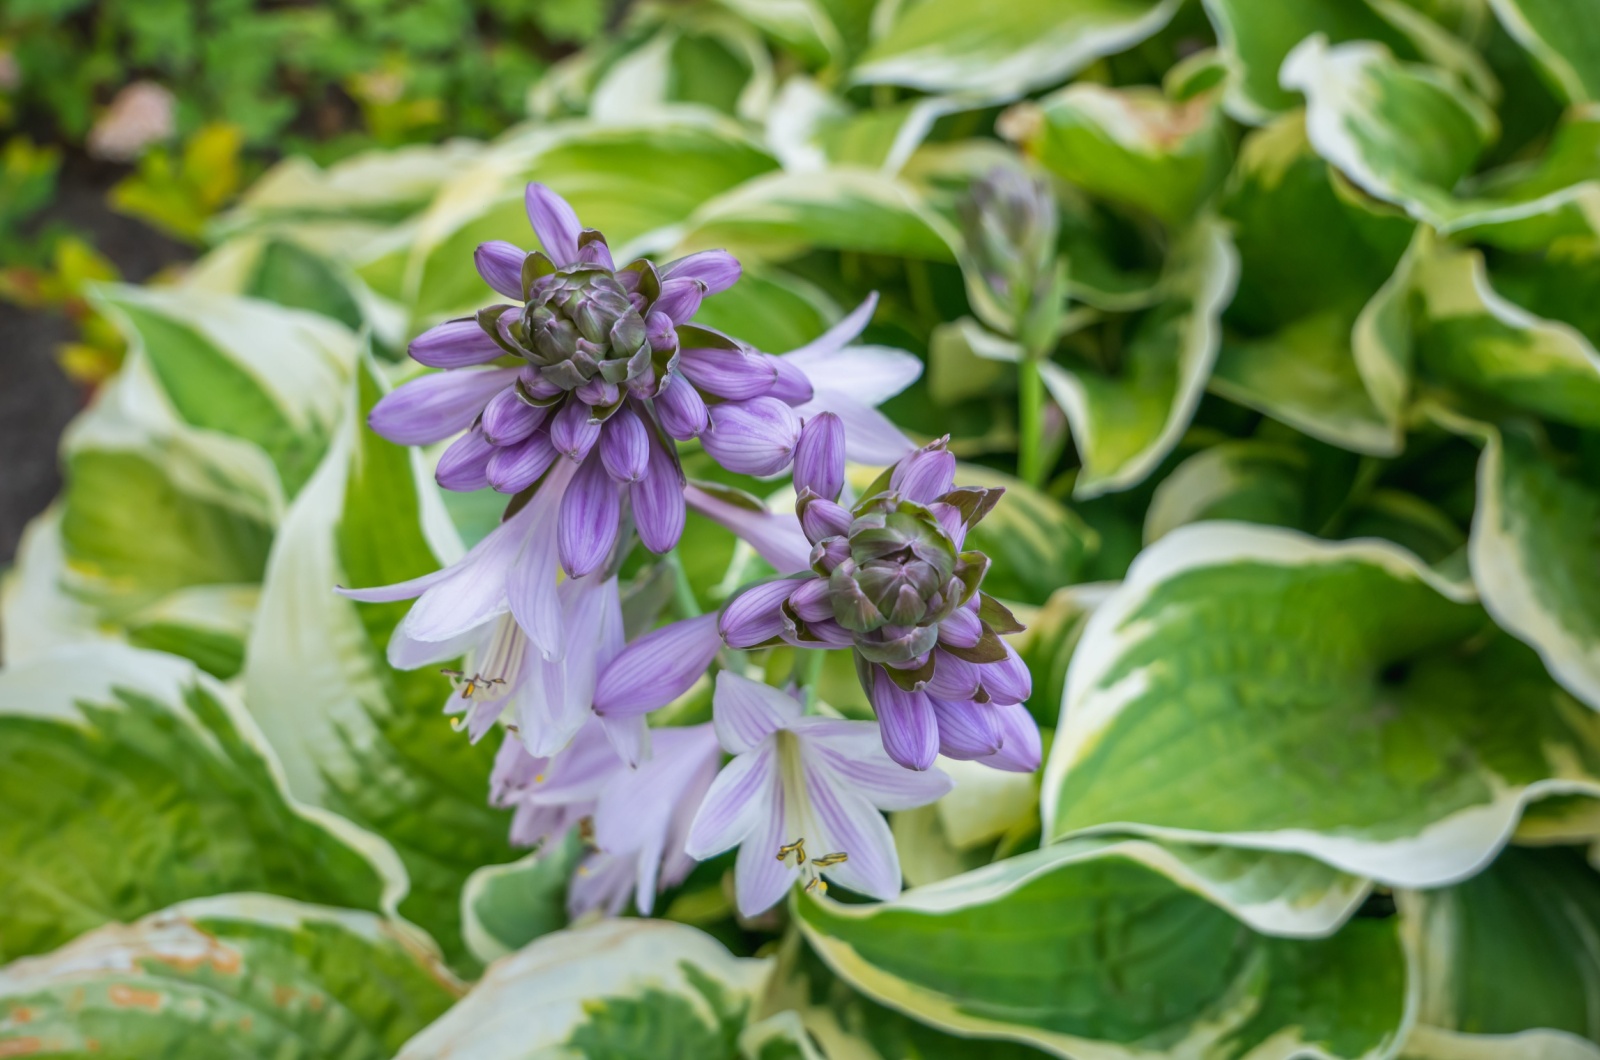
(22, 1014)
(20, 1046)
(124, 996)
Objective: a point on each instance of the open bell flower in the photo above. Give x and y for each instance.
(801, 798)
(890, 580)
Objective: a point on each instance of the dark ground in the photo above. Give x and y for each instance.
(36, 399)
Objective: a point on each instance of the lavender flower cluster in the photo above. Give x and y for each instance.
(571, 398)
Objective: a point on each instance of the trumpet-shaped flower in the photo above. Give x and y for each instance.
(801, 798)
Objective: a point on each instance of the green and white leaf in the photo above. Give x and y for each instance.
(1125, 424)
(355, 735)
(1036, 543)
(1507, 961)
(1563, 37)
(1246, 480)
(130, 781)
(1256, 687)
(938, 46)
(1086, 950)
(247, 975)
(37, 614)
(505, 907)
(613, 988)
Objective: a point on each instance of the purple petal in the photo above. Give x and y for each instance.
(810, 600)
(657, 668)
(661, 332)
(682, 410)
(1021, 751)
(435, 406)
(573, 430)
(736, 805)
(680, 299)
(625, 446)
(775, 536)
(755, 437)
(824, 632)
(507, 419)
(925, 475)
(962, 629)
(953, 678)
(755, 615)
(657, 498)
(454, 344)
(746, 712)
(967, 730)
(513, 468)
(554, 222)
(792, 386)
(500, 265)
(463, 465)
(819, 457)
(733, 374)
(870, 436)
(1007, 681)
(587, 526)
(853, 751)
(905, 721)
(823, 519)
(595, 252)
(717, 269)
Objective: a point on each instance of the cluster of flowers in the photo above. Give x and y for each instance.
(570, 400)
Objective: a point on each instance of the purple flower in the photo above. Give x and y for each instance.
(889, 579)
(801, 798)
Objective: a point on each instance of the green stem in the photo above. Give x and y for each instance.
(1030, 445)
(810, 674)
(682, 592)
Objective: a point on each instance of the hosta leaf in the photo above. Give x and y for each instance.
(771, 311)
(241, 367)
(1506, 961)
(938, 46)
(207, 624)
(1036, 544)
(354, 735)
(248, 975)
(1125, 423)
(37, 614)
(1088, 951)
(1232, 651)
(1248, 481)
(615, 988)
(1130, 145)
(505, 907)
(1563, 37)
(128, 781)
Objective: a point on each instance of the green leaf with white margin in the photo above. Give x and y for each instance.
(1245, 480)
(1130, 145)
(1507, 961)
(1563, 36)
(129, 781)
(1036, 544)
(1093, 951)
(243, 975)
(1195, 682)
(1124, 424)
(783, 215)
(505, 907)
(1472, 338)
(207, 624)
(1530, 205)
(771, 310)
(37, 614)
(937, 45)
(241, 367)
(614, 988)
(1532, 551)
(355, 735)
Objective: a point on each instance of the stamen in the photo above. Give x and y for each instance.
(837, 858)
(817, 884)
(797, 848)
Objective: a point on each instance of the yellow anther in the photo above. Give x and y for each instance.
(817, 884)
(838, 858)
(797, 848)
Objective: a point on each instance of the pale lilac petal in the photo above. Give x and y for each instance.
(776, 536)
(507, 419)
(819, 457)
(925, 475)
(755, 615)
(735, 806)
(630, 738)
(435, 406)
(967, 730)
(760, 880)
(577, 776)
(625, 446)
(658, 667)
(906, 722)
(823, 519)
(587, 525)
(406, 590)
(791, 386)
(500, 265)
(682, 410)
(755, 437)
(554, 222)
(736, 375)
(454, 344)
(513, 468)
(962, 629)
(847, 823)
(464, 466)
(836, 338)
(717, 269)
(405, 652)
(1008, 681)
(573, 430)
(746, 712)
(680, 299)
(657, 499)
(603, 882)
(853, 750)
(1021, 751)
(531, 584)
(870, 436)
(810, 602)
(954, 678)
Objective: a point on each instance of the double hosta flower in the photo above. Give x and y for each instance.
(890, 580)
